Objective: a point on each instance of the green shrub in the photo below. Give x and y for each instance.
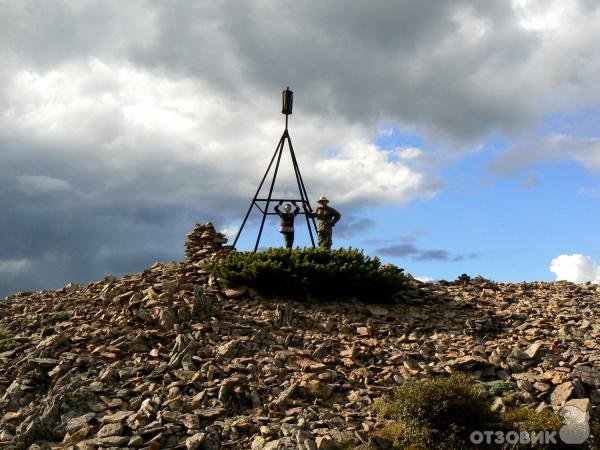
(321, 273)
(499, 387)
(442, 413)
(60, 316)
(439, 413)
(7, 344)
(511, 398)
(524, 419)
(171, 267)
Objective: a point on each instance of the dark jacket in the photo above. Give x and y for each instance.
(326, 217)
(287, 219)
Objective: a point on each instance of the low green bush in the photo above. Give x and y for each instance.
(524, 419)
(320, 273)
(7, 344)
(499, 387)
(439, 413)
(6, 340)
(442, 413)
(60, 316)
(171, 267)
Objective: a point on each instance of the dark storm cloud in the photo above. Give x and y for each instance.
(72, 238)
(399, 60)
(437, 66)
(46, 34)
(82, 229)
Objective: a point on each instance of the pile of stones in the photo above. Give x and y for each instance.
(203, 241)
(167, 359)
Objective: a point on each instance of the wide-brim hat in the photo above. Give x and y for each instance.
(322, 199)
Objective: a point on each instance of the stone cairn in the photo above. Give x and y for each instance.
(203, 242)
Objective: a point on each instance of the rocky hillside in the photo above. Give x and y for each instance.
(166, 359)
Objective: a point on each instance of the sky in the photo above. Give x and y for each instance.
(454, 136)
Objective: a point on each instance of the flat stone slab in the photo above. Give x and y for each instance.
(116, 417)
(209, 413)
(588, 375)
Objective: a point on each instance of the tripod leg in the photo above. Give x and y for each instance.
(306, 197)
(257, 192)
(302, 194)
(302, 188)
(243, 222)
(262, 223)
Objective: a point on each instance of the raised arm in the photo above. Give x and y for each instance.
(296, 210)
(277, 211)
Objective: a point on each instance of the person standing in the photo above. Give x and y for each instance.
(287, 222)
(326, 217)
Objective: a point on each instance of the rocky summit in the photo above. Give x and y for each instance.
(168, 359)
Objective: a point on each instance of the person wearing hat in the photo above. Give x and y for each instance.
(326, 217)
(287, 222)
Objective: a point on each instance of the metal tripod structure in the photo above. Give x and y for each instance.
(287, 96)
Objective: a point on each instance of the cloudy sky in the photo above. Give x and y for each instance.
(454, 136)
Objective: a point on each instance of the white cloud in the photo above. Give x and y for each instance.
(33, 184)
(545, 15)
(424, 279)
(589, 191)
(230, 232)
(552, 148)
(130, 121)
(363, 173)
(13, 266)
(409, 152)
(576, 268)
